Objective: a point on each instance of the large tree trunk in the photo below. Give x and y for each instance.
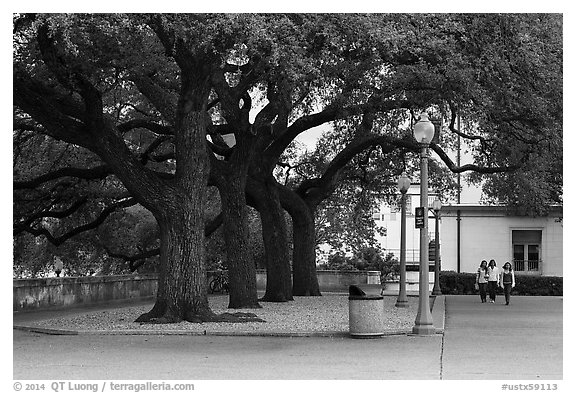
(305, 279)
(179, 209)
(241, 266)
(230, 178)
(275, 237)
(182, 292)
(305, 276)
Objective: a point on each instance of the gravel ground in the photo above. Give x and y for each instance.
(328, 313)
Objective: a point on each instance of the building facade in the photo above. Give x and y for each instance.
(470, 233)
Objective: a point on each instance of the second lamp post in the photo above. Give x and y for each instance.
(436, 206)
(424, 132)
(403, 186)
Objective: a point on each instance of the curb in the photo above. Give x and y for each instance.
(438, 316)
(137, 332)
(53, 332)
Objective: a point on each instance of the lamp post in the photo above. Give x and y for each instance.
(423, 133)
(436, 206)
(403, 186)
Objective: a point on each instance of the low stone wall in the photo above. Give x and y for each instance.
(412, 282)
(42, 293)
(332, 280)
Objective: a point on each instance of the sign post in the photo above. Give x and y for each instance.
(419, 217)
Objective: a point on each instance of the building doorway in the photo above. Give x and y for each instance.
(526, 249)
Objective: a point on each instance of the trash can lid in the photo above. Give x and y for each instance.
(354, 290)
(366, 297)
(356, 293)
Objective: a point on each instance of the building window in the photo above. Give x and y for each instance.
(526, 245)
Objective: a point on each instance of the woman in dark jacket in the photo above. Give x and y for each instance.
(507, 281)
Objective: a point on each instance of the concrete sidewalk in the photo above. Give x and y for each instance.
(495, 341)
(484, 341)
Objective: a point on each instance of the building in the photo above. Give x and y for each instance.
(470, 233)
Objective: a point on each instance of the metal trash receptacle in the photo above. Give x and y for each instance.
(366, 313)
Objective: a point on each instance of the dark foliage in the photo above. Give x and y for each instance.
(368, 258)
(453, 283)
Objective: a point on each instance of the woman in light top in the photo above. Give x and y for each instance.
(507, 281)
(482, 280)
(493, 279)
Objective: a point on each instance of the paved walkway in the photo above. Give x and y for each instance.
(526, 342)
(494, 341)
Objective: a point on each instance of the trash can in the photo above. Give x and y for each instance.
(366, 313)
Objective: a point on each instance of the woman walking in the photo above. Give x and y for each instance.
(493, 279)
(507, 281)
(482, 280)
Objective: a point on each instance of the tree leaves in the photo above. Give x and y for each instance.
(501, 74)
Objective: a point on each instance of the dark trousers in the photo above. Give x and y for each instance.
(482, 288)
(507, 291)
(492, 285)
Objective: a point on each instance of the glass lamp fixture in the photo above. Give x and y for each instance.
(436, 205)
(403, 183)
(423, 129)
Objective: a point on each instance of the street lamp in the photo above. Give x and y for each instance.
(436, 206)
(403, 186)
(423, 133)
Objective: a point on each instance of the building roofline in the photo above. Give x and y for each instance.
(492, 208)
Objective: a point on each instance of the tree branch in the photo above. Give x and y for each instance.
(83, 228)
(149, 125)
(21, 227)
(331, 113)
(163, 101)
(70, 78)
(134, 261)
(33, 98)
(471, 167)
(137, 260)
(147, 154)
(454, 130)
(99, 172)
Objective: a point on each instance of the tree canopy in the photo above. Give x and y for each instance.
(145, 101)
